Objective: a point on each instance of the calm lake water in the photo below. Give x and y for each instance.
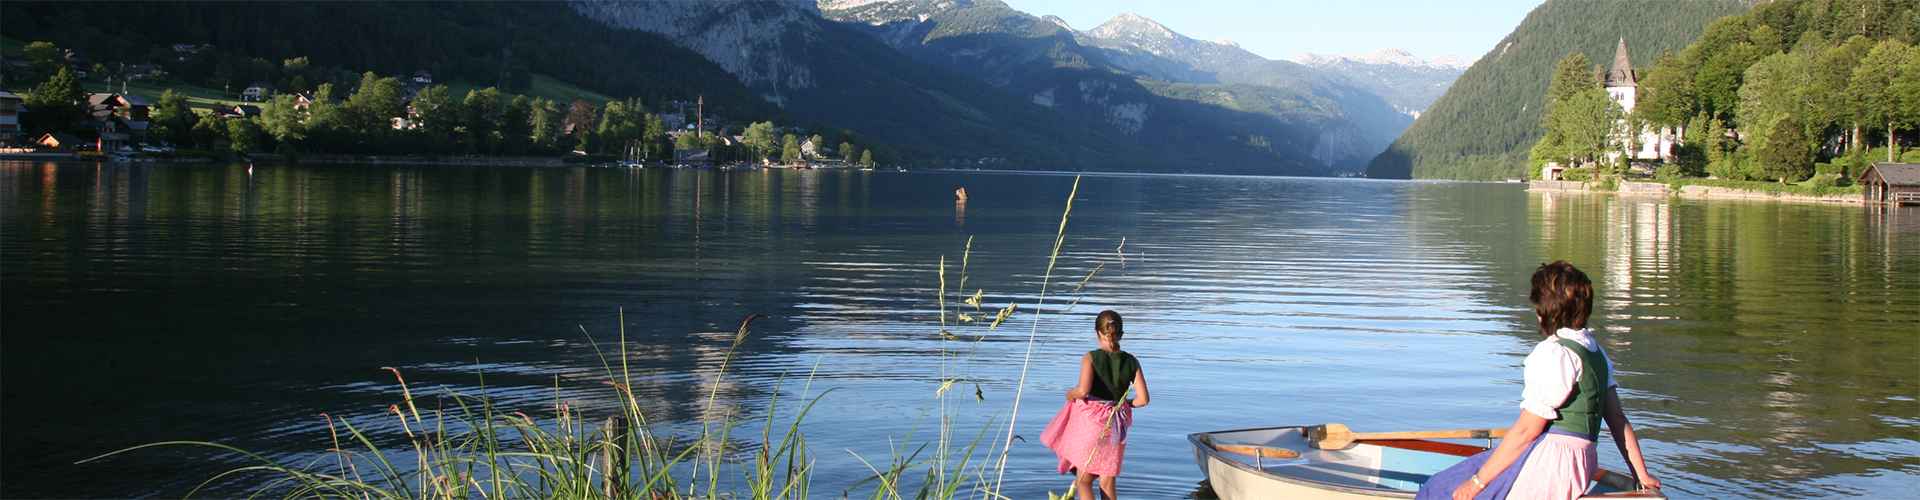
(1765, 350)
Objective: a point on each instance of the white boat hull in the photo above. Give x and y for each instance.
(1367, 470)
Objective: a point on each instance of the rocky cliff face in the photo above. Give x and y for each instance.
(750, 39)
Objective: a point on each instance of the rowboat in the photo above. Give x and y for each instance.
(1277, 463)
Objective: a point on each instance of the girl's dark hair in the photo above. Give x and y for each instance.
(1562, 295)
(1109, 324)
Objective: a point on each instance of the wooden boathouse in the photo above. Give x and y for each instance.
(1897, 183)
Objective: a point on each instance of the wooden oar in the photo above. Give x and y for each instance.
(1339, 437)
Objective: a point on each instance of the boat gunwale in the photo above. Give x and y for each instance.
(1203, 441)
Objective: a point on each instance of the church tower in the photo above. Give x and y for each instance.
(1620, 83)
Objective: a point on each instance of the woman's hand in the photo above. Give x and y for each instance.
(1648, 482)
(1466, 491)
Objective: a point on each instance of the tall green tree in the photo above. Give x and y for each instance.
(848, 152)
(55, 105)
(245, 134)
(435, 111)
(1827, 87)
(374, 104)
(790, 149)
(1666, 93)
(1875, 88)
(1786, 152)
(761, 140)
(282, 119)
(866, 158)
(172, 118)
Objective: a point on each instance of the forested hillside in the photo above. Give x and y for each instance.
(487, 44)
(1770, 94)
(1483, 127)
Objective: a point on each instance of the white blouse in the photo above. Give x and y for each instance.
(1553, 371)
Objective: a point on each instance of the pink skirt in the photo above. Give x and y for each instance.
(1559, 469)
(1090, 434)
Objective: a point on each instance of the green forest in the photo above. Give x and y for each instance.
(1791, 89)
(488, 65)
(1485, 125)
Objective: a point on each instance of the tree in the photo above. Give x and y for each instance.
(818, 144)
(848, 152)
(283, 120)
(56, 104)
(209, 131)
(478, 112)
(435, 111)
(374, 104)
(516, 134)
(1786, 151)
(760, 139)
(866, 158)
(1873, 88)
(246, 135)
(45, 58)
(790, 149)
(1580, 119)
(172, 118)
(581, 116)
(1666, 93)
(543, 120)
(1828, 86)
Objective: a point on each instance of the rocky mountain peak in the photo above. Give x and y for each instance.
(1131, 25)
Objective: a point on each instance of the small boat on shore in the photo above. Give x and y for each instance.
(1278, 463)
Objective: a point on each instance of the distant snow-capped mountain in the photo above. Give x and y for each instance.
(1394, 56)
(1411, 83)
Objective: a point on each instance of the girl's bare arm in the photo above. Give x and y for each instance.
(1086, 378)
(1140, 387)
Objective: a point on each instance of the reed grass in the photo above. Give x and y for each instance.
(466, 446)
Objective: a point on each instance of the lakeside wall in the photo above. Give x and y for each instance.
(1708, 192)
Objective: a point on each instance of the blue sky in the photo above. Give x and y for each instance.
(1279, 29)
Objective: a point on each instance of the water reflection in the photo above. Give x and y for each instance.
(1773, 343)
(1767, 348)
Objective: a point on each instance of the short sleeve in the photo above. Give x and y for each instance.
(1551, 372)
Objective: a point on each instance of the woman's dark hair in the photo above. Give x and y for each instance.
(1109, 324)
(1562, 295)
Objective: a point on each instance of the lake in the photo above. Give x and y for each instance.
(1765, 349)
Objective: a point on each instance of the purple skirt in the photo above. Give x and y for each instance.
(1442, 484)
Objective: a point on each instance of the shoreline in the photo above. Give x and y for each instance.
(1690, 191)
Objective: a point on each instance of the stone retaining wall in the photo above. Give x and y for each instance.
(1643, 188)
(1750, 194)
(1558, 186)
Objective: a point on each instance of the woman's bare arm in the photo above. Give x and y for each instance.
(1525, 429)
(1624, 438)
(1086, 378)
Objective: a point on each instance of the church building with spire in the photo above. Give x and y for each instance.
(1623, 86)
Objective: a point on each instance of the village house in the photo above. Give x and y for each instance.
(120, 118)
(808, 149)
(10, 133)
(61, 143)
(422, 77)
(239, 111)
(139, 71)
(182, 50)
(1896, 183)
(258, 91)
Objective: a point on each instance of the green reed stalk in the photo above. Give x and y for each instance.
(1059, 238)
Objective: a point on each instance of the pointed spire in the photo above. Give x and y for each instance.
(1621, 74)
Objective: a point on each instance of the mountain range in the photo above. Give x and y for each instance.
(1130, 86)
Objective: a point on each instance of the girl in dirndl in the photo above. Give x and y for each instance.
(1090, 432)
(1550, 453)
